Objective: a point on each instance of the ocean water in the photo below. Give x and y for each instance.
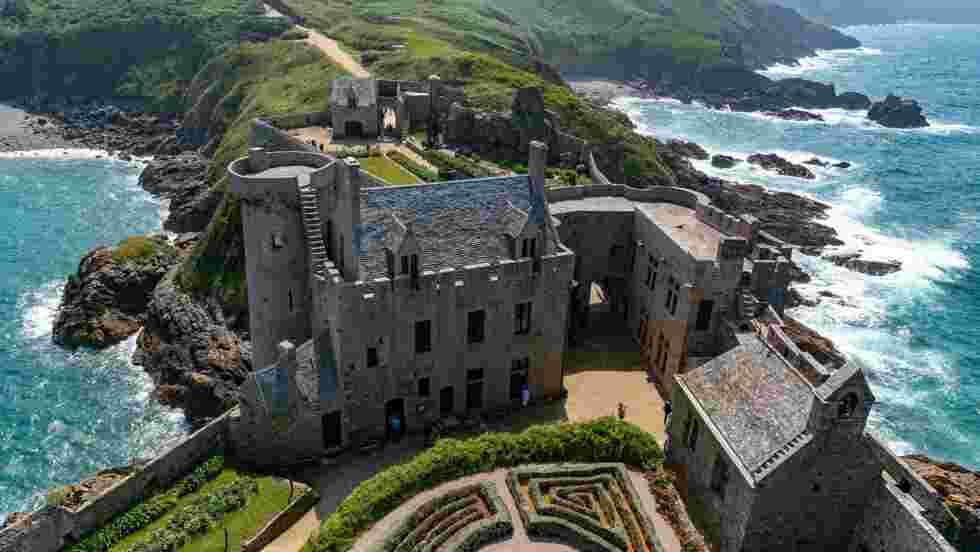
(65, 415)
(912, 195)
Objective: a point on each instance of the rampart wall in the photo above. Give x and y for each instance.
(51, 527)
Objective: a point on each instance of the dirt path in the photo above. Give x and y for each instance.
(332, 50)
(297, 535)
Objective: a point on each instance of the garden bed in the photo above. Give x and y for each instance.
(389, 171)
(602, 440)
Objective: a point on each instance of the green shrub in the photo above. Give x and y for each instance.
(150, 510)
(56, 496)
(295, 34)
(411, 166)
(602, 440)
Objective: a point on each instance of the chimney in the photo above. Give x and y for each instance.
(537, 161)
(258, 160)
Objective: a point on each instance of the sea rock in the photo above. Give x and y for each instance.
(773, 162)
(724, 161)
(898, 112)
(796, 299)
(187, 344)
(105, 302)
(855, 261)
(794, 115)
(183, 180)
(842, 165)
(959, 488)
(853, 101)
(816, 162)
(688, 149)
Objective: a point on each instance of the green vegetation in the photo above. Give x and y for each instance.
(152, 508)
(252, 80)
(150, 49)
(446, 163)
(138, 248)
(388, 170)
(411, 166)
(603, 440)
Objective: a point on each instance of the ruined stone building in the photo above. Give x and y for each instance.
(370, 108)
(774, 448)
(411, 302)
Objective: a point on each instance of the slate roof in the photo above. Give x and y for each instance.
(754, 398)
(366, 91)
(456, 223)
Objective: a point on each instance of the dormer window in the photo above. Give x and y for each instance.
(277, 241)
(848, 406)
(352, 100)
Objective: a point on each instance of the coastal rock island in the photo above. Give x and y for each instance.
(105, 302)
(896, 112)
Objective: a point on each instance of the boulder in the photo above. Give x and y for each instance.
(724, 161)
(959, 488)
(794, 115)
(183, 180)
(854, 260)
(896, 112)
(853, 101)
(688, 149)
(842, 165)
(106, 301)
(773, 162)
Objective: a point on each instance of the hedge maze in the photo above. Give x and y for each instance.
(461, 520)
(590, 507)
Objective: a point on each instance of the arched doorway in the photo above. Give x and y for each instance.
(354, 129)
(446, 401)
(395, 425)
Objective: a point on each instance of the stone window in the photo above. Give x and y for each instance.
(848, 406)
(277, 241)
(652, 269)
(404, 264)
(476, 326)
(529, 247)
(475, 374)
(719, 476)
(372, 357)
(423, 336)
(291, 306)
(522, 318)
(673, 291)
(704, 315)
(692, 434)
(424, 387)
(664, 353)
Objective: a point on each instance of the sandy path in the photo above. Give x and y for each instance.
(332, 50)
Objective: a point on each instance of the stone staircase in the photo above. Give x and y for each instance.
(749, 306)
(309, 204)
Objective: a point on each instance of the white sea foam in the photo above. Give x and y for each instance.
(39, 308)
(822, 60)
(70, 153)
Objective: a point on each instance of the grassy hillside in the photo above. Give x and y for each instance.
(141, 48)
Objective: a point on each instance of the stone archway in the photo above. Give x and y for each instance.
(354, 129)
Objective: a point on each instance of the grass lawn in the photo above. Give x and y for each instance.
(243, 523)
(386, 169)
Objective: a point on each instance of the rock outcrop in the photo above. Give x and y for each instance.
(105, 302)
(794, 115)
(898, 112)
(856, 261)
(724, 161)
(182, 180)
(688, 149)
(187, 347)
(809, 341)
(773, 162)
(959, 489)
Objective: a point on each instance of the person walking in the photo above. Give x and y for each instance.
(525, 395)
(622, 411)
(668, 409)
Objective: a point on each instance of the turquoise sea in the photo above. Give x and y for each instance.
(65, 415)
(913, 195)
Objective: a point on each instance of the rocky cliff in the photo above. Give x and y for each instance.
(960, 489)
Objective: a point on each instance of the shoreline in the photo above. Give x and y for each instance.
(22, 131)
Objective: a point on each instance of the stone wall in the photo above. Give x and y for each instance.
(300, 120)
(48, 529)
(894, 521)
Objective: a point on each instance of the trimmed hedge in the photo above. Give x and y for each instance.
(150, 510)
(603, 440)
(411, 166)
(199, 516)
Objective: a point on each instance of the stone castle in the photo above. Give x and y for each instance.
(370, 304)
